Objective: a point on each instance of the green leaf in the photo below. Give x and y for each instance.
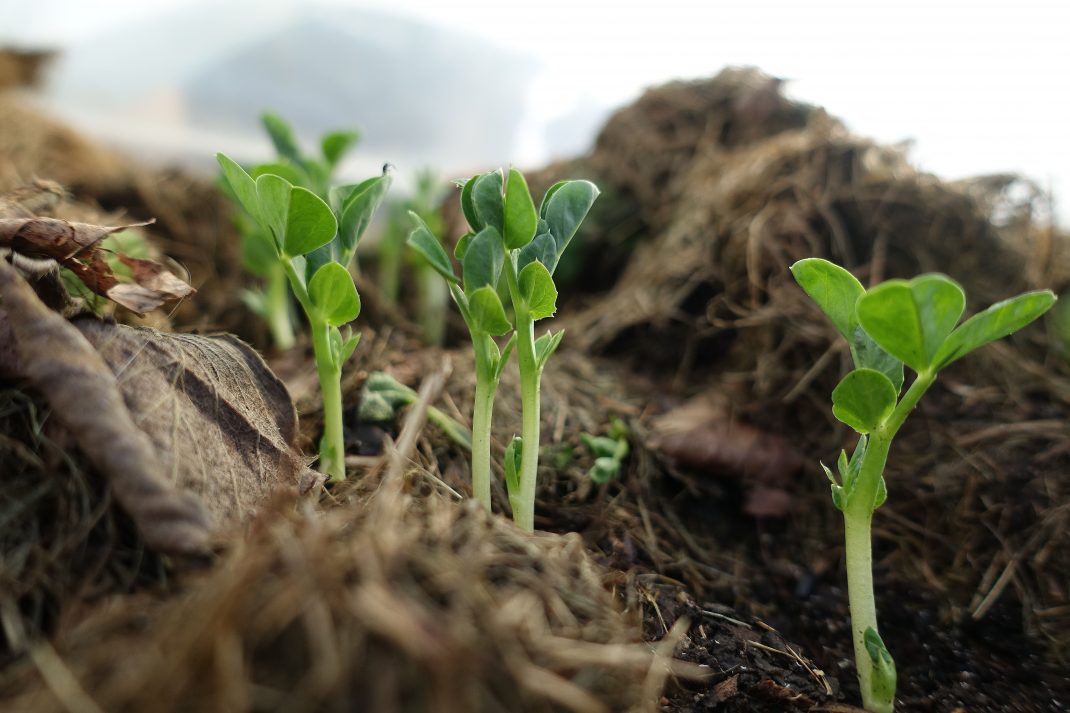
(289, 171)
(883, 678)
(335, 144)
(538, 291)
(260, 255)
(273, 196)
(868, 355)
(604, 470)
(358, 208)
(241, 183)
(545, 346)
(483, 260)
(520, 216)
(911, 320)
(882, 493)
(487, 200)
(462, 245)
(513, 455)
(310, 223)
(567, 208)
(499, 367)
(282, 136)
(547, 196)
(542, 248)
(998, 321)
(468, 207)
(423, 242)
(835, 290)
(334, 294)
(839, 493)
(349, 346)
(486, 314)
(863, 400)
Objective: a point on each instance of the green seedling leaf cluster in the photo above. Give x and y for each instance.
(313, 175)
(609, 452)
(432, 298)
(511, 249)
(307, 231)
(899, 323)
(383, 396)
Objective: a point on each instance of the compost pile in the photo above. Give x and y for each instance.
(706, 577)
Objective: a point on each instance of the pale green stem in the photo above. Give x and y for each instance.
(858, 520)
(433, 302)
(530, 377)
(482, 413)
(280, 321)
(332, 444)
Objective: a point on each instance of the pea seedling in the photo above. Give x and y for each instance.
(383, 395)
(609, 452)
(508, 238)
(896, 323)
(315, 242)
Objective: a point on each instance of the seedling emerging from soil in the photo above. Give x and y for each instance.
(509, 238)
(383, 395)
(314, 242)
(273, 304)
(609, 452)
(898, 322)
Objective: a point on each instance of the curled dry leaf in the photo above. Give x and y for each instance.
(76, 246)
(192, 432)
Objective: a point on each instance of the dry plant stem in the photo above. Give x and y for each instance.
(857, 520)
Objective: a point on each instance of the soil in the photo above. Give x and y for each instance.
(707, 577)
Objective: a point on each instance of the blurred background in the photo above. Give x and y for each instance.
(976, 87)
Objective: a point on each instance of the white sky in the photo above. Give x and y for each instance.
(982, 87)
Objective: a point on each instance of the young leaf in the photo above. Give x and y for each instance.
(273, 197)
(998, 321)
(335, 145)
(422, 241)
(499, 367)
(334, 295)
(864, 399)
(604, 470)
(486, 314)
(542, 248)
(241, 183)
(883, 678)
(483, 260)
(868, 355)
(282, 136)
(839, 493)
(487, 200)
(567, 208)
(462, 245)
(911, 320)
(468, 207)
(310, 223)
(348, 346)
(835, 291)
(538, 291)
(358, 207)
(545, 346)
(513, 455)
(520, 216)
(547, 196)
(291, 172)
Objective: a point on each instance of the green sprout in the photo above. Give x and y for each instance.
(314, 242)
(508, 239)
(913, 323)
(383, 395)
(273, 303)
(433, 294)
(609, 452)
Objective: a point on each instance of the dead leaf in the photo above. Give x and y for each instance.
(192, 432)
(76, 246)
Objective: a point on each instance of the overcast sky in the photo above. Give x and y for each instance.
(981, 87)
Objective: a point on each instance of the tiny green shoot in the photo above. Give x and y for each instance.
(383, 395)
(898, 322)
(314, 241)
(512, 240)
(609, 452)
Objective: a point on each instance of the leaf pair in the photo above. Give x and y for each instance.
(903, 322)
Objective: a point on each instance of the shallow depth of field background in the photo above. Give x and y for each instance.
(978, 87)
